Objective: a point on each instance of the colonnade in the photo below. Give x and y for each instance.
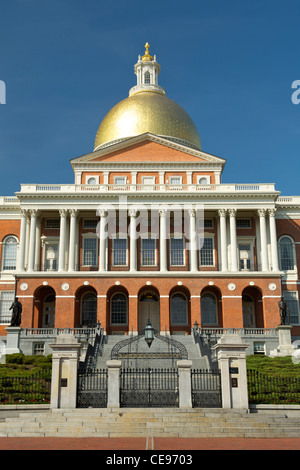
(30, 234)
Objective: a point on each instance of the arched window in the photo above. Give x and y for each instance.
(147, 77)
(209, 309)
(89, 309)
(10, 246)
(119, 309)
(287, 253)
(179, 311)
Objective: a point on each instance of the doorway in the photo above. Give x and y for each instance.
(149, 310)
(49, 311)
(248, 311)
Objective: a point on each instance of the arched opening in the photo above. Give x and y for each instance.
(117, 310)
(287, 258)
(252, 308)
(89, 309)
(180, 317)
(44, 307)
(149, 309)
(211, 307)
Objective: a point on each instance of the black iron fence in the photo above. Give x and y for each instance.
(92, 388)
(206, 388)
(32, 389)
(149, 387)
(263, 389)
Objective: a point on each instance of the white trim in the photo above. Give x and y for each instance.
(271, 296)
(65, 296)
(231, 296)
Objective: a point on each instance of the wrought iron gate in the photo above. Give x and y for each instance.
(92, 388)
(206, 388)
(149, 388)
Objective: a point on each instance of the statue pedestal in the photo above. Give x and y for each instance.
(13, 340)
(285, 347)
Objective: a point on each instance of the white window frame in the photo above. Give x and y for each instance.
(8, 271)
(178, 236)
(121, 236)
(155, 252)
(285, 294)
(89, 236)
(9, 314)
(288, 271)
(211, 236)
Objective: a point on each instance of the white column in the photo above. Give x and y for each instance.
(32, 239)
(163, 239)
(193, 241)
(233, 240)
(62, 239)
(37, 260)
(273, 236)
(133, 245)
(102, 236)
(223, 235)
(263, 239)
(72, 245)
(22, 245)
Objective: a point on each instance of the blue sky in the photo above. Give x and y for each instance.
(229, 64)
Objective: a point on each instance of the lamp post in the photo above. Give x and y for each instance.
(149, 333)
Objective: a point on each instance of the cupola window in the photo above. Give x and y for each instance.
(147, 77)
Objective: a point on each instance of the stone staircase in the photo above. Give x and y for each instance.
(146, 422)
(158, 346)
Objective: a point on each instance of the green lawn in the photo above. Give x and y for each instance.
(276, 367)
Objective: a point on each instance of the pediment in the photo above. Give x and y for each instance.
(147, 148)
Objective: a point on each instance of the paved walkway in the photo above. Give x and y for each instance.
(151, 443)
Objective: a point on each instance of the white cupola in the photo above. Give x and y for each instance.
(147, 71)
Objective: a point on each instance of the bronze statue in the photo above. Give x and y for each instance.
(283, 309)
(16, 307)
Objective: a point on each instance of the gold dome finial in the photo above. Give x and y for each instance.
(147, 56)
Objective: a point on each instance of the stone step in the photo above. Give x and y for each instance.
(131, 422)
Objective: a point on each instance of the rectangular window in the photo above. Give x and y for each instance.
(291, 298)
(206, 223)
(207, 252)
(6, 299)
(243, 223)
(90, 251)
(38, 349)
(52, 223)
(177, 252)
(120, 180)
(120, 252)
(175, 179)
(10, 255)
(148, 251)
(90, 223)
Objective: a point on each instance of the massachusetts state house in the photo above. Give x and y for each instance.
(148, 230)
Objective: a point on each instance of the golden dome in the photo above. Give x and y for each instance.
(147, 111)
